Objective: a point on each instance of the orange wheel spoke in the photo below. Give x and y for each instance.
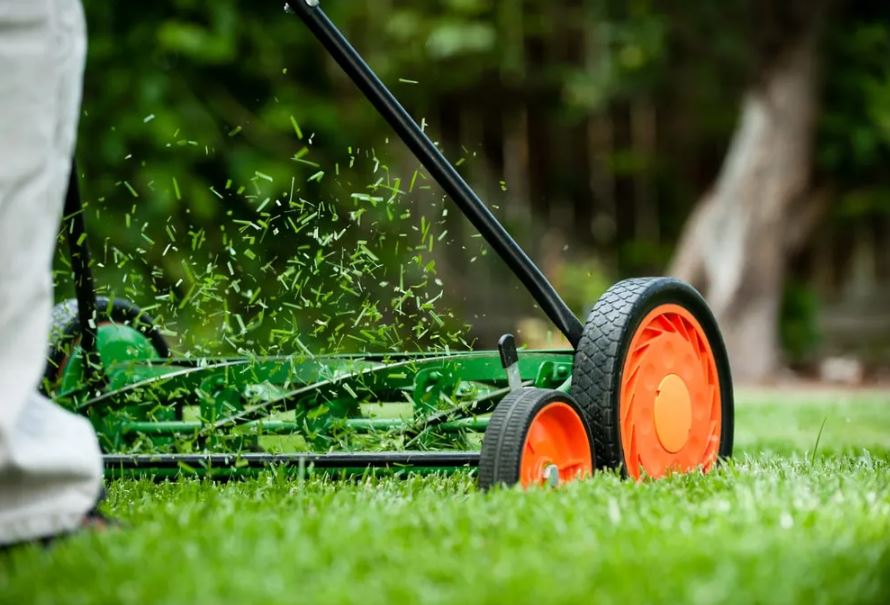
(626, 412)
(541, 441)
(567, 465)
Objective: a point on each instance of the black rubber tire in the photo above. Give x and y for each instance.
(504, 438)
(600, 355)
(65, 330)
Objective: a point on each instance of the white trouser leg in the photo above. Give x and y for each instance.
(50, 466)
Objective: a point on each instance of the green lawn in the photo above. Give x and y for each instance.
(776, 525)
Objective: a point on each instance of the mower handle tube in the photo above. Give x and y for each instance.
(439, 168)
(84, 287)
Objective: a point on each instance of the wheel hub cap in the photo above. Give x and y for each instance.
(673, 413)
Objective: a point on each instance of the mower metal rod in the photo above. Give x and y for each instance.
(282, 427)
(84, 288)
(328, 460)
(438, 166)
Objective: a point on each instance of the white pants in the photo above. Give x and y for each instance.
(50, 465)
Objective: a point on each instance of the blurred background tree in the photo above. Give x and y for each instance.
(748, 141)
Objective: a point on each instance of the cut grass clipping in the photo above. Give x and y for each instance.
(776, 525)
(304, 261)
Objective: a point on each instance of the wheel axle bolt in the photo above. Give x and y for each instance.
(551, 475)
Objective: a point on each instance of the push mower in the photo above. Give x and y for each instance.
(645, 389)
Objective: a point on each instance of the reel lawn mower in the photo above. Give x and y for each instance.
(646, 387)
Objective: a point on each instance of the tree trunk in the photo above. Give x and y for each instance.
(736, 243)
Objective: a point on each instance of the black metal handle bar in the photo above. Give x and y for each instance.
(317, 460)
(84, 288)
(439, 168)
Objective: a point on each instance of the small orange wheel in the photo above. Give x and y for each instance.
(535, 437)
(659, 396)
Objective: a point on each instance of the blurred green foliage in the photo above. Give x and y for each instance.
(799, 327)
(199, 115)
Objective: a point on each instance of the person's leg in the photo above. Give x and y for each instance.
(50, 465)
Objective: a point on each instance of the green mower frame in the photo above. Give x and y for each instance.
(646, 387)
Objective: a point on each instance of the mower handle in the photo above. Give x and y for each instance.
(439, 167)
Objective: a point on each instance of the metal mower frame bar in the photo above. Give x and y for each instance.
(337, 460)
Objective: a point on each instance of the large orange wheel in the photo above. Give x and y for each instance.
(535, 437)
(652, 374)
